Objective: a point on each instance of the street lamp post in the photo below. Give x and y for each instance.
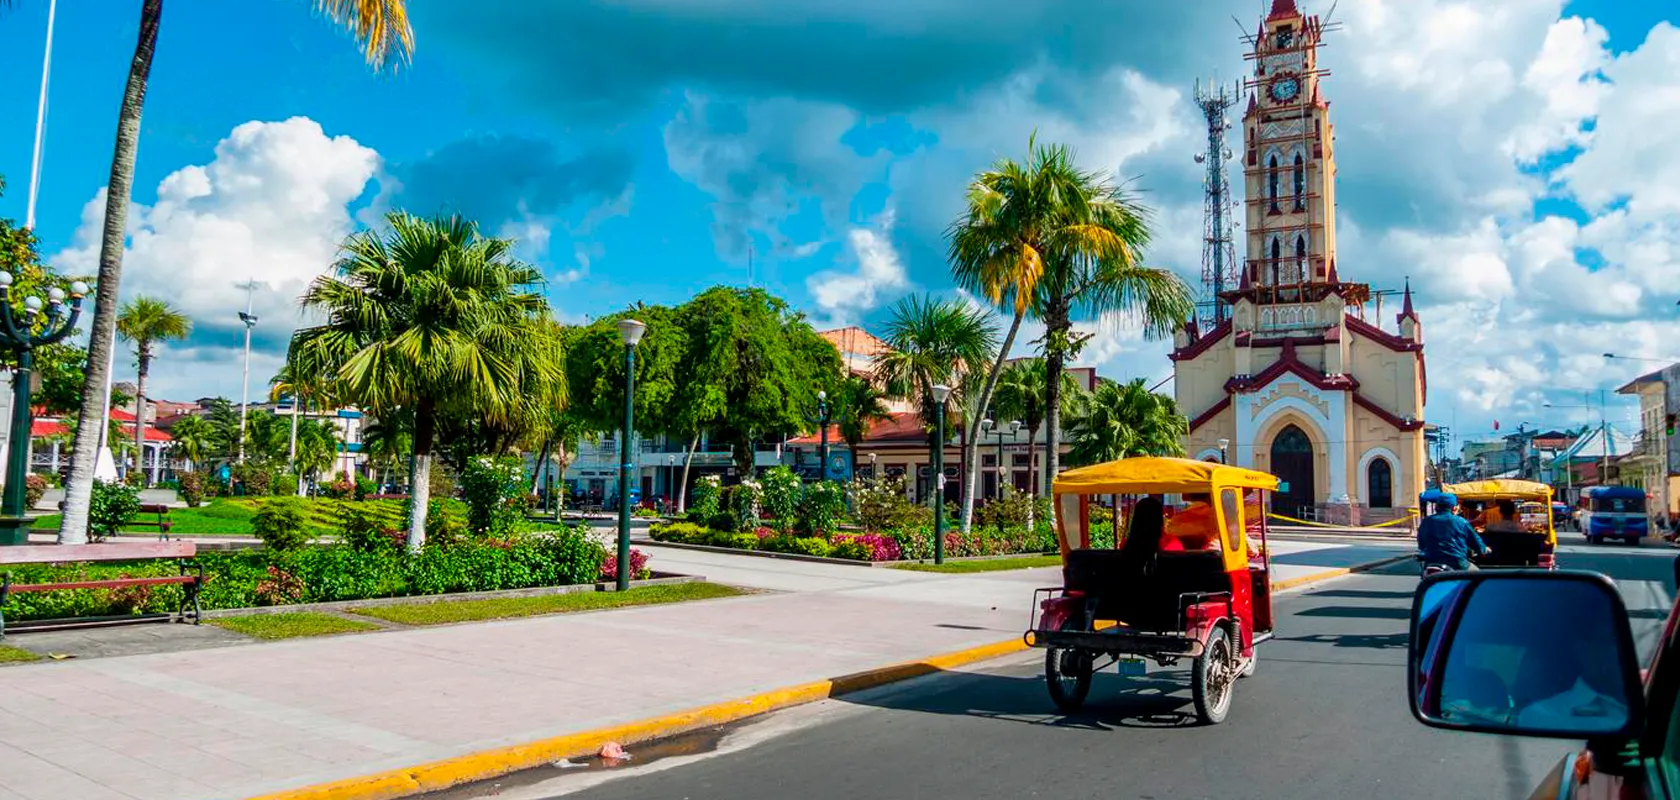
(987, 426)
(631, 332)
(250, 321)
(822, 448)
(941, 393)
(1224, 444)
(14, 512)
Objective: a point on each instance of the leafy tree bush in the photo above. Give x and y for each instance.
(708, 499)
(281, 523)
(782, 493)
(363, 530)
(741, 507)
(822, 508)
(365, 486)
(494, 490)
(258, 479)
(191, 488)
(112, 506)
(35, 487)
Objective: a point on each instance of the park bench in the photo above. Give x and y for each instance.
(191, 578)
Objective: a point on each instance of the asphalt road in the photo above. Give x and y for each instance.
(1326, 716)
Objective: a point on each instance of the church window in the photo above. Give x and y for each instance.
(1272, 182)
(1277, 260)
(1300, 183)
(1300, 258)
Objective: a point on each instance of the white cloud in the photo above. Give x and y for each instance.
(271, 207)
(842, 296)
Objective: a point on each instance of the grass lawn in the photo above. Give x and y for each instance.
(290, 626)
(231, 516)
(13, 655)
(502, 608)
(985, 565)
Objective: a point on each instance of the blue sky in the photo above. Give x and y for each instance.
(1491, 150)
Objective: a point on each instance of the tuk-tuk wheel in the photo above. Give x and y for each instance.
(1067, 673)
(1213, 677)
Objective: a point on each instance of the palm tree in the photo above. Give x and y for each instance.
(146, 322)
(316, 450)
(193, 438)
(387, 442)
(1022, 221)
(380, 27)
(857, 405)
(305, 392)
(1119, 420)
(1097, 276)
(428, 318)
(933, 342)
(1021, 395)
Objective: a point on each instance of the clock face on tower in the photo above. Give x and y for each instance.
(1285, 89)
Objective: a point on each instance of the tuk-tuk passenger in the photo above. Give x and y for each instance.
(1503, 518)
(1195, 527)
(1143, 536)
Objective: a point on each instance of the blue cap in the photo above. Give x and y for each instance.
(1438, 497)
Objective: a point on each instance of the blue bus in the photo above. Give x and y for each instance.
(1613, 512)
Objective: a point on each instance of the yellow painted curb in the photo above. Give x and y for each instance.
(449, 772)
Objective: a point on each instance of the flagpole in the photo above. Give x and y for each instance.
(40, 121)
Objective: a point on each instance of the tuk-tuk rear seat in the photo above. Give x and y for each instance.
(1511, 547)
(1122, 591)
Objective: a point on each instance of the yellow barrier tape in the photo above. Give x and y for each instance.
(1392, 522)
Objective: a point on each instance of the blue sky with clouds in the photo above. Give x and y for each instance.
(1505, 154)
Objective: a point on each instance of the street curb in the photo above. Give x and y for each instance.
(1335, 572)
(444, 773)
(449, 772)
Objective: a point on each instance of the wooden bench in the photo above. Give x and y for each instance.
(191, 578)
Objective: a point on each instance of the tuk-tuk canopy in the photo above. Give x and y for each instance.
(1159, 475)
(1500, 489)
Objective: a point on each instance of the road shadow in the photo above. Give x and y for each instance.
(1357, 612)
(1153, 701)
(1363, 594)
(1369, 641)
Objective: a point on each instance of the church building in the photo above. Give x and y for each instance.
(1293, 377)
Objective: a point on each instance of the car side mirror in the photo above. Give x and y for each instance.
(1524, 652)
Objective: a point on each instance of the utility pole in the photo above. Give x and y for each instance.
(250, 321)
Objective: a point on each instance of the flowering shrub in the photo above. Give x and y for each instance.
(707, 500)
(191, 485)
(494, 490)
(874, 546)
(741, 514)
(822, 508)
(342, 488)
(280, 588)
(882, 505)
(34, 487)
(782, 494)
(638, 566)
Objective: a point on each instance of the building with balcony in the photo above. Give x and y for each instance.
(1655, 456)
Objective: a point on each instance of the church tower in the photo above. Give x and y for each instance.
(1300, 381)
(1289, 164)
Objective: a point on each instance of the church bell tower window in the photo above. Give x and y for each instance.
(1272, 182)
(1300, 183)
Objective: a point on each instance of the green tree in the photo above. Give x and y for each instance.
(855, 407)
(193, 438)
(380, 27)
(428, 316)
(146, 322)
(932, 342)
(1119, 420)
(1021, 395)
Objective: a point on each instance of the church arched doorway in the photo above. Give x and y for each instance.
(1292, 462)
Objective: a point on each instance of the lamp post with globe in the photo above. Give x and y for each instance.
(630, 332)
(22, 337)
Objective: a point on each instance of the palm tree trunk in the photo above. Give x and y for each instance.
(140, 409)
(291, 447)
(1032, 478)
(1055, 357)
(542, 464)
(682, 488)
(421, 488)
(79, 492)
(971, 448)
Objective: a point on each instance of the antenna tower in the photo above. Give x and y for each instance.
(1219, 257)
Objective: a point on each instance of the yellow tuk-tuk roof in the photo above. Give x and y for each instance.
(1159, 475)
(1499, 489)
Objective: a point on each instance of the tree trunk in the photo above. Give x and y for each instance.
(421, 489)
(140, 409)
(542, 464)
(1032, 477)
(682, 488)
(971, 448)
(79, 489)
(1055, 357)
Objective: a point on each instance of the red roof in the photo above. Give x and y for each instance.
(1283, 8)
(901, 426)
(52, 427)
